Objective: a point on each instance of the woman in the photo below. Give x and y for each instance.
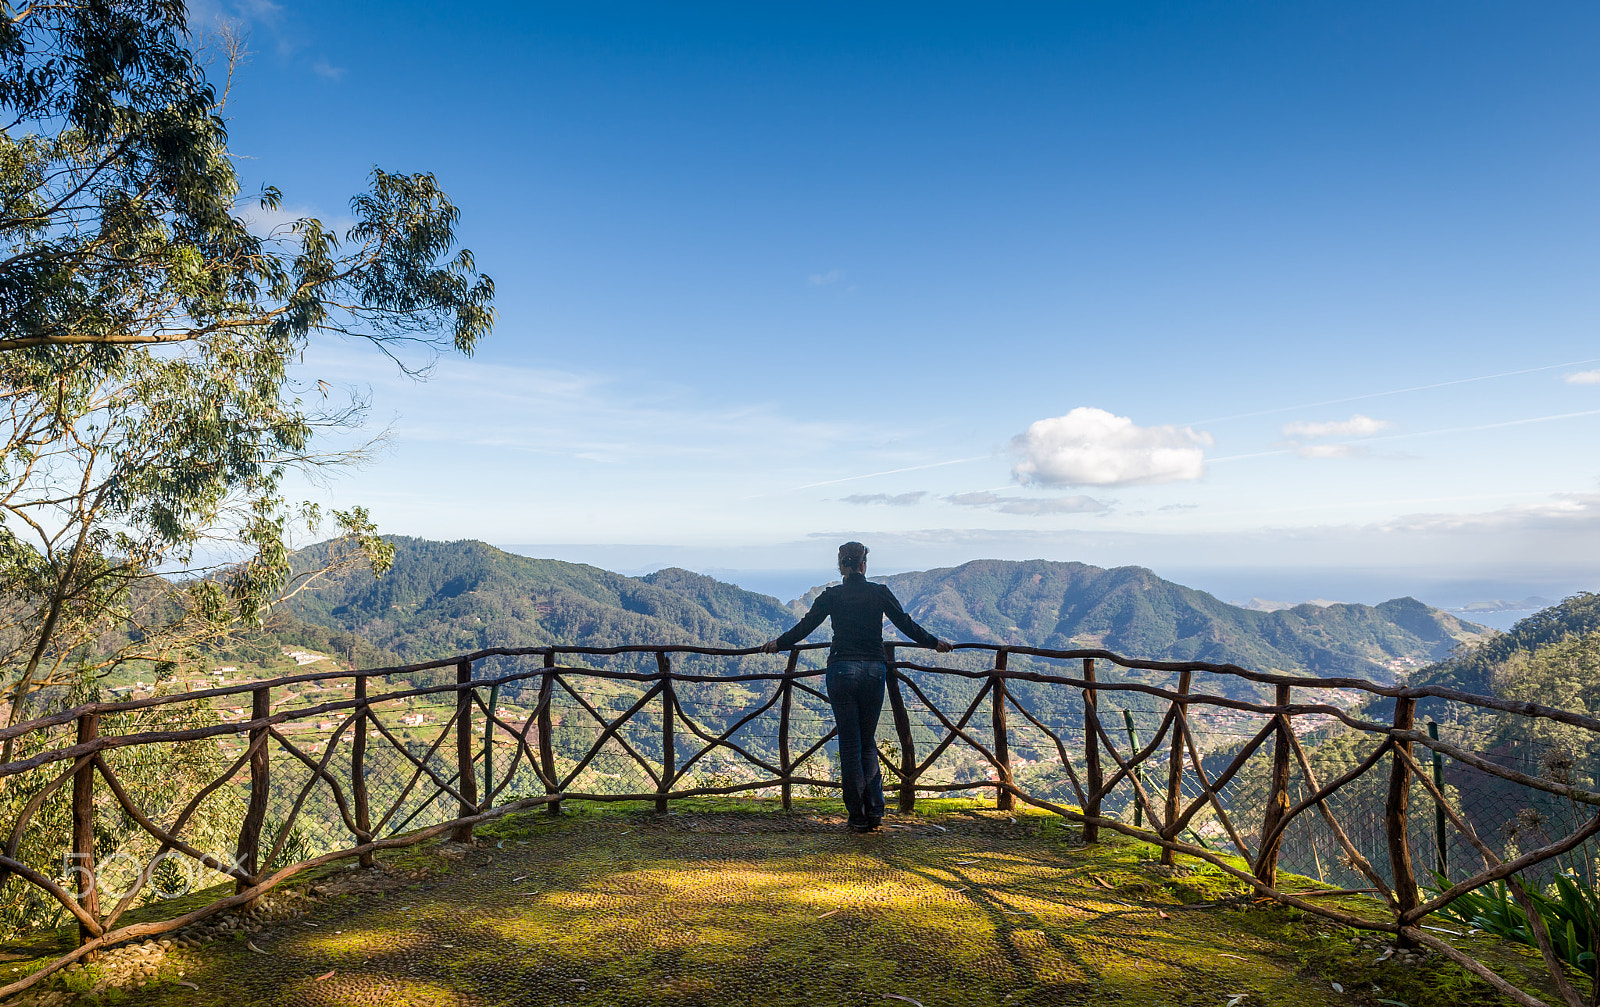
(856, 673)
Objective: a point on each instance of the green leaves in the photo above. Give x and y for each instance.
(356, 525)
(1571, 916)
(118, 210)
(147, 332)
(408, 224)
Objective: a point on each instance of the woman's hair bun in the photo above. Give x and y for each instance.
(852, 555)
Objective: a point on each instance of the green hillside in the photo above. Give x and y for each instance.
(445, 598)
(1551, 658)
(1132, 611)
(448, 598)
(1475, 670)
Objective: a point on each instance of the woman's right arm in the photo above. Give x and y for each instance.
(801, 629)
(908, 625)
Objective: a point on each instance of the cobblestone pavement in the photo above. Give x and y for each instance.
(764, 909)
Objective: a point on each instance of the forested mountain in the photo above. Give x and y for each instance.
(1552, 658)
(444, 598)
(448, 598)
(1475, 670)
(1132, 611)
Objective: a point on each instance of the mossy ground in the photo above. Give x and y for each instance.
(727, 902)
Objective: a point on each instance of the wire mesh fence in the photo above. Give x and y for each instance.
(1258, 773)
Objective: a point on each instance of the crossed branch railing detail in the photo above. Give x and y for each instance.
(1169, 814)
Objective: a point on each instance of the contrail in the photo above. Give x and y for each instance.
(866, 475)
(1396, 391)
(1422, 433)
(1481, 426)
(1282, 409)
(1253, 454)
(1348, 505)
(889, 472)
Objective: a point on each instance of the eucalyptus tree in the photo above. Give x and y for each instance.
(148, 415)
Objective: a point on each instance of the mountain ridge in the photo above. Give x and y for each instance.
(1133, 611)
(1474, 669)
(442, 599)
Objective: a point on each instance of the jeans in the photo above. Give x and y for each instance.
(855, 691)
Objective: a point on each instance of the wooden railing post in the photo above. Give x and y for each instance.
(1266, 868)
(547, 748)
(358, 771)
(466, 779)
(1003, 799)
(260, 781)
(902, 732)
(1094, 779)
(1180, 724)
(1394, 817)
(786, 704)
(668, 756)
(83, 828)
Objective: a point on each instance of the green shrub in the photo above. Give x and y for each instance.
(1571, 916)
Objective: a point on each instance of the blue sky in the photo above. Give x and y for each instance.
(1276, 295)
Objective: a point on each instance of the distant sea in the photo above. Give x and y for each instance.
(1471, 598)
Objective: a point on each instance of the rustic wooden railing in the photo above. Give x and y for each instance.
(1165, 818)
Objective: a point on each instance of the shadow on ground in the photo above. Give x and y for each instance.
(716, 906)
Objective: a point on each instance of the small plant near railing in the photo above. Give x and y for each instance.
(122, 850)
(296, 846)
(721, 777)
(1571, 916)
(1163, 791)
(1568, 908)
(889, 750)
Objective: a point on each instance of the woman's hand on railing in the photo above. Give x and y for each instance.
(770, 647)
(941, 646)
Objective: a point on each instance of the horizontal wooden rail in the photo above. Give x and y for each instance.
(673, 746)
(1523, 709)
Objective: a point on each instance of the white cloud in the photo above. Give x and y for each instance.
(1091, 447)
(287, 35)
(206, 15)
(637, 430)
(322, 68)
(1330, 450)
(1030, 505)
(1558, 536)
(1567, 513)
(266, 223)
(1583, 378)
(265, 11)
(888, 499)
(1356, 426)
(823, 279)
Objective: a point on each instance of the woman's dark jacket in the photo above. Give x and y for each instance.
(857, 608)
